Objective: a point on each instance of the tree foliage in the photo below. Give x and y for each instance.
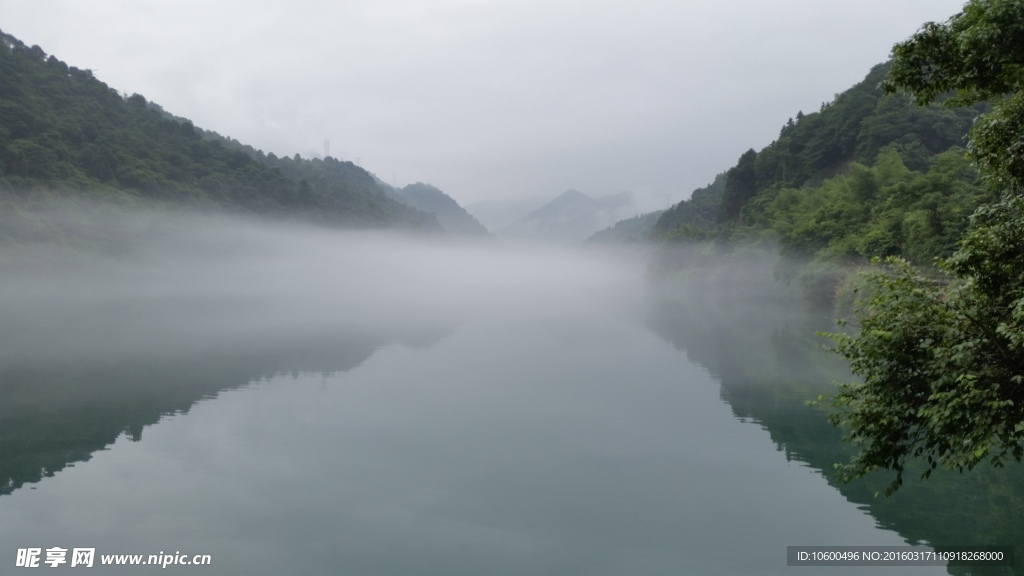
(943, 362)
(694, 218)
(740, 186)
(979, 54)
(820, 152)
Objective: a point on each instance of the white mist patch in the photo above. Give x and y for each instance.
(204, 281)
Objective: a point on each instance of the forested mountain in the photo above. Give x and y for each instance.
(448, 212)
(692, 218)
(66, 135)
(867, 175)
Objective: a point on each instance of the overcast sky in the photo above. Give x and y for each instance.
(486, 99)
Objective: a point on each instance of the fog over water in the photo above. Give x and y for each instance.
(203, 280)
(291, 399)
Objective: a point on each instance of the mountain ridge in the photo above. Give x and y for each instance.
(870, 175)
(65, 136)
(449, 213)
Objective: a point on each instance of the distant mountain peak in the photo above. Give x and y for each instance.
(571, 217)
(571, 193)
(449, 213)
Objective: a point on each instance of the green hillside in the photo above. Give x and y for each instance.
(694, 218)
(65, 135)
(868, 175)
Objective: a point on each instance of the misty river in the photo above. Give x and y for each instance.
(300, 401)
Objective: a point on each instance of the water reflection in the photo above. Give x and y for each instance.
(761, 349)
(531, 423)
(61, 404)
(146, 316)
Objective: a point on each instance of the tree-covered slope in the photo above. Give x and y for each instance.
(692, 218)
(870, 174)
(855, 127)
(65, 134)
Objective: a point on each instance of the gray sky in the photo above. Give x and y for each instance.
(486, 99)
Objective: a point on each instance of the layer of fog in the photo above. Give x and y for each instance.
(144, 281)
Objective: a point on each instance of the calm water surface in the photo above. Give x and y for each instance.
(563, 424)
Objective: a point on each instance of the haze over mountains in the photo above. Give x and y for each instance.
(65, 135)
(866, 175)
(570, 217)
(628, 231)
(448, 212)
